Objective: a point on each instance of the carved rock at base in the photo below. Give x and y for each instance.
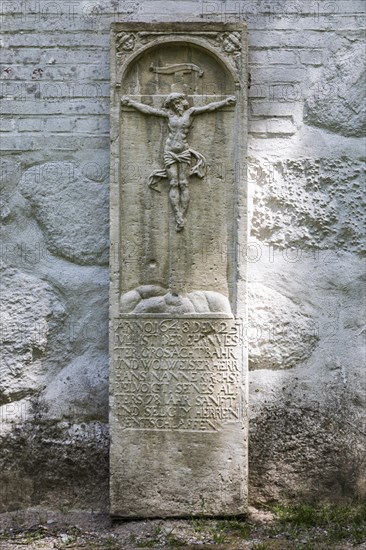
(155, 299)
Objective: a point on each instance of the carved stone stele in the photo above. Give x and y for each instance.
(178, 385)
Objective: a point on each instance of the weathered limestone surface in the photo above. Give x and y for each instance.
(307, 420)
(280, 337)
(338, 103)
(328, 416)
(54, 365)
(72, 208)
(178, 357)
(30, 311)
(309, 204)
(307, 296)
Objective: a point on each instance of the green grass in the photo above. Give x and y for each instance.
(111, 543)
(220, 529)
(174, 542)
(300, 527)
(336, 522)
(146, 543)
(236, 526)
(199, 524)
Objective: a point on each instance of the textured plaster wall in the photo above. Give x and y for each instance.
(306, 327)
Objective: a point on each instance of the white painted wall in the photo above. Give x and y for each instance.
(306, 124)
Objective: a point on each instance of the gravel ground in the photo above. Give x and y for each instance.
(38, 530)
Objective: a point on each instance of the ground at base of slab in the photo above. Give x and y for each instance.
(300, 528)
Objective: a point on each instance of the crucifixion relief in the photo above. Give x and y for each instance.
(177, 153)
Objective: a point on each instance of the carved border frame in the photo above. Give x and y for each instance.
(232, 54)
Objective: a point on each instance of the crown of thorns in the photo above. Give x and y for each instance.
(172, 98)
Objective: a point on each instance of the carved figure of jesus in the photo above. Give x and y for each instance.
(177, 153)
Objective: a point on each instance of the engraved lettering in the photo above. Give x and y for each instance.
(190, 383)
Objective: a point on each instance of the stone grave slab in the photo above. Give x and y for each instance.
(178, 376)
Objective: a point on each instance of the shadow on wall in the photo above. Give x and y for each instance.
(297, 452)
(59, 465)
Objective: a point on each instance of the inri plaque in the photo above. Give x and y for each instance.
(178, 405)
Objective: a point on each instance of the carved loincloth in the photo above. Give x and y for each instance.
(198, 169)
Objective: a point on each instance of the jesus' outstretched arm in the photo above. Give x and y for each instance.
(146, 109)
(231, 100)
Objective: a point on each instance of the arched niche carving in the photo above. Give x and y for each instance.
(147, 69)
(200, 45)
